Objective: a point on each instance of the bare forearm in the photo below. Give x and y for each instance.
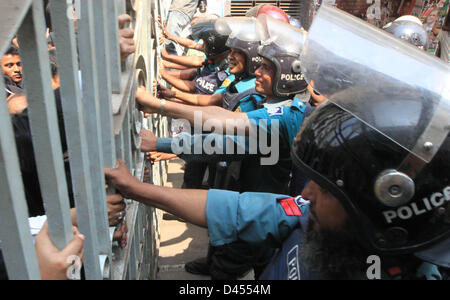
(222, 120)
(189, 61)
(198, 99)
(193, 114)
(185, 42)
(172, 65)
(184, 85)
(189, 205)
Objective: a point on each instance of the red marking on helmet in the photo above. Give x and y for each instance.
(274, 12)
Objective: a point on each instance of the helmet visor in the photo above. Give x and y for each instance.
(385, 82)
(202, 27)
(287, 37)
(241, 28)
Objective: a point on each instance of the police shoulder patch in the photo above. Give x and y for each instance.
(275, 111)
(293, 206)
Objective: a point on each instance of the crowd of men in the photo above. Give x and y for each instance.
(306, 178)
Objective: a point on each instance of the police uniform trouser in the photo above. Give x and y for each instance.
(234, 260)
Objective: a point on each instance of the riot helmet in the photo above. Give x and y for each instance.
(380, 144)
(282, 47)
(245, 34)
(410, 29)
(295, 22)
(214, 41)
(271, 10)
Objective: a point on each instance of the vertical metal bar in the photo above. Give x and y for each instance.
(102, 47)
(12, 14)
(119, 146)
(121, 6)
(17, 246)
(88, 63)
(126, 131)
(79, 159)
(113, 36)
(132, 261)
(44, 125)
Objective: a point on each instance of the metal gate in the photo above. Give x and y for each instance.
(102, 124)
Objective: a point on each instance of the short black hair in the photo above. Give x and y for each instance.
(13, 50)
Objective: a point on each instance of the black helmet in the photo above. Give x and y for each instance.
(215, 43)
(352, 161)
(245, 34)
(410, 29)
(381, 144)
(283, 47)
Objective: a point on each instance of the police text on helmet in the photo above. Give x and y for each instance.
(292, 77)
(415, 209)
(257, 59)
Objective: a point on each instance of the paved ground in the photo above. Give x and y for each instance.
(180, 242)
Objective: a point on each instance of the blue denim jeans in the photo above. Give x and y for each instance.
(176, 22)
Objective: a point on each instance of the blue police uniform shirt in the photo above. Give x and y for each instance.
(279, 221)
(251, 217)
(289, 119)
(261, 218)
(276, 176)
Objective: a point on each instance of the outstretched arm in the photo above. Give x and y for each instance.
(190, 61)
(229, 216)
(187, 204)
(194, 99)
(185, 42)
(184, 85)
(215, 147)
(172, 65)
(217, 118)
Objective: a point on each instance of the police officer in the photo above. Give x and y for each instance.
(206, 74)
(244, 60)
(378, 191)
(410, 29)
(205, 80)
(279, 78)
(280, 85)
(237, 92)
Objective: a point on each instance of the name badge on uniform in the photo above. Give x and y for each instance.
(226, 83)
